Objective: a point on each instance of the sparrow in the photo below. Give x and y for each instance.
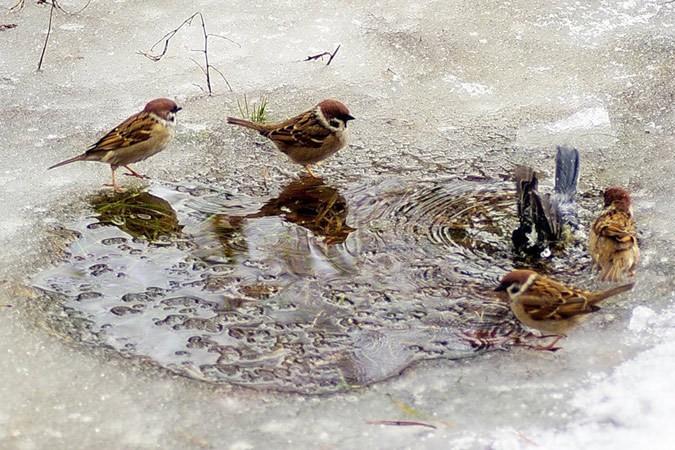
(309, 137)
(545, 219)
(547, 305)
(137, 138)
(612, 241)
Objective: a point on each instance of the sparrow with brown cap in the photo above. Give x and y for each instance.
(612, 240)
(309, 137)
(137, 138)
(547, 305)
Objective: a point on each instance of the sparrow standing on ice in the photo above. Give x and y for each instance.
(309, 137)
(547, 305)
(137, 138)
(544, 218)
(612, 241)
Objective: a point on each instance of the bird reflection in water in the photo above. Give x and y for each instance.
(140, 214)
(307, 202)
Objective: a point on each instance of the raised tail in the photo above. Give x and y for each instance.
(566, 172)
(566, 178)
(246, 124)
(68, 161)
(599, 296)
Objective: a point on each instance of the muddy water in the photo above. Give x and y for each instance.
(314, 289)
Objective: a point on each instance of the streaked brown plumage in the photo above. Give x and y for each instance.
(547, 305)
(309, 137)
(612, 240)
(137, 138)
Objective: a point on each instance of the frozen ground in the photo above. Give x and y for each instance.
(457, 85)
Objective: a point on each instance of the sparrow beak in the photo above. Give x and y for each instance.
(347, 118)
(178, 108)
(500, 288)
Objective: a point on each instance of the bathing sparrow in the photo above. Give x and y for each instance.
(612, 241)
(544, 218)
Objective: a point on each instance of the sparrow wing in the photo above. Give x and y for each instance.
(617, 226)
(304, 130)
(135, 129)
(547, 299)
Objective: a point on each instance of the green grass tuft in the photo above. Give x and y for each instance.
(255, 112)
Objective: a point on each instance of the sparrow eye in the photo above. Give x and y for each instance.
(513, 289)
(334, 123)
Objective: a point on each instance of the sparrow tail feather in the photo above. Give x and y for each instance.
(616, 271)
(68, 161)
(566, 178)
(612, 292)
(245, 123)
(566, 172)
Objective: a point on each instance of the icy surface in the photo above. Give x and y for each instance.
(441, 90)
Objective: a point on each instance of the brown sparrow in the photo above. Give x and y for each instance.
(137, 138)
(547, 305)
(309, 137)
(612, 241)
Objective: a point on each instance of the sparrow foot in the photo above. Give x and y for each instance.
(133, 173)
(550, 347)
(309, 171)
(137, 175)
(117, 188)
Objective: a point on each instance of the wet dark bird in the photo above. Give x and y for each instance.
(545, 218)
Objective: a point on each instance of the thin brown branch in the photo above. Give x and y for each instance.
(21, 3)
(333, 55)
(206, 67)
(226, 38)
(402, 423)
(317, 56)
(198, 65)
(54, 4)
(166, 38)
(18, 6)
(206, 54)
(70, 13)
(49, 32)
(329, 54)
(223, 77)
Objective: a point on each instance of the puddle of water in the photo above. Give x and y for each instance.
(315, 290)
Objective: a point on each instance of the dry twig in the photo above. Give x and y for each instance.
(54, 5)
(49, 32)
(402, 423)
(321, 55)
(21, 3)
(207, 67)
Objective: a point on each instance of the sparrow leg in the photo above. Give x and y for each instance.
(133, 173)
(114, 184)
(309, 171)
(549, 347)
